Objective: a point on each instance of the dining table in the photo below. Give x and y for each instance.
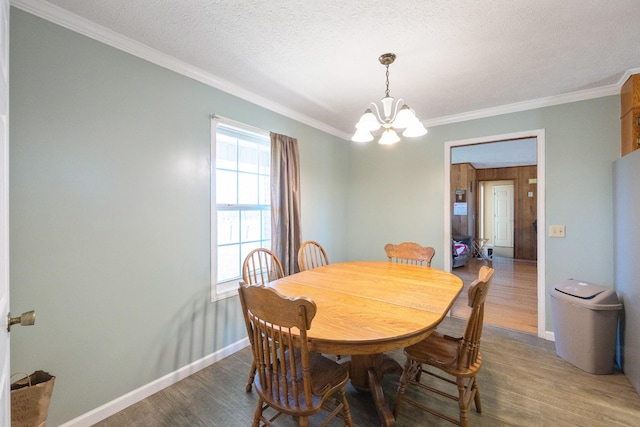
(367, 308)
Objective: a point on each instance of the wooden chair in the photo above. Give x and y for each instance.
(290, 379)
(410, 253)
(261, 266)
(311, 255)
(458, 357)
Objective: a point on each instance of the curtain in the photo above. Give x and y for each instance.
(286, 235)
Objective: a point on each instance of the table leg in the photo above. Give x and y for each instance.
(366, 372)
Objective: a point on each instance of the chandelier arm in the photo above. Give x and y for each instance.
(377, 112)
(399, 104)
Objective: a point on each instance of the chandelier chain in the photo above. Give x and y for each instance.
(387, 91)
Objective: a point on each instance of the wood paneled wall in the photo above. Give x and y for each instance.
(630, 115)
(525, 207)
(465, 176)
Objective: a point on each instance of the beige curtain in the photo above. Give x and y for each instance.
(286, 235)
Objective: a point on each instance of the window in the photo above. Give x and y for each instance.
(241, 200)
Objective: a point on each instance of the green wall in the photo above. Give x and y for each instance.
(109, 213)
(398, 191)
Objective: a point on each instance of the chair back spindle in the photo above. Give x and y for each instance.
(410, 253)
(311, 255)
(261, 266)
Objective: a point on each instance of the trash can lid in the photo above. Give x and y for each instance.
(580, 289)
(587, 295)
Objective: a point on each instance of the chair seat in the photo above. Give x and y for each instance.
(327, 375)
(435, 349)
(442, 352)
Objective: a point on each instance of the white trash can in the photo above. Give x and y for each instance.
(585, 321)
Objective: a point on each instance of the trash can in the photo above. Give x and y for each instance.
(585, 321)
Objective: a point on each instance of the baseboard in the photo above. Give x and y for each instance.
(117, 405)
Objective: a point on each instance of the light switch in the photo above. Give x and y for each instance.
(556, 231)
(530, 194)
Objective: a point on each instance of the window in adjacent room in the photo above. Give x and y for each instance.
(240, 200)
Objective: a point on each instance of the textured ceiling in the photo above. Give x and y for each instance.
(320, 58)
(522, 152)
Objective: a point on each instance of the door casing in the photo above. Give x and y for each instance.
(5, 400)
(539, 134)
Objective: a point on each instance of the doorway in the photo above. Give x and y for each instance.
(496, 216)
(512, 140)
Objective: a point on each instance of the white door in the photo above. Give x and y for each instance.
(4, 226)
(503, 215)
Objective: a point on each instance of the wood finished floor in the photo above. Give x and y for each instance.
(512, 301)
(523, 383)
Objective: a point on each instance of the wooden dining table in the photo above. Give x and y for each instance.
(368, 308)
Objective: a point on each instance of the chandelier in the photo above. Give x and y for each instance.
(398, 117)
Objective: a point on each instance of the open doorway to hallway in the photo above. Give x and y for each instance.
(512, 300)
(516, 250)
(495, 220)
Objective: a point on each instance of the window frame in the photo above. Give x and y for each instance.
(228, 288)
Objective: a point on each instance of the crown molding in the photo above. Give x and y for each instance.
(628, 74)
(92, 30)
(75, 23)
(533, 104)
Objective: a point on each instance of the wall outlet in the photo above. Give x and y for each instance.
(556, 231)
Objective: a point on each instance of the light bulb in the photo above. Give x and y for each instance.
(389, 136)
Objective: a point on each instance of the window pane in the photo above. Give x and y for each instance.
(226, 188)
(226, 152)
(248, 247)
(247, 189)
(228, 262)
(250, 226)
(248, 157)
(266, 226)
(264, 195)
(228, 227)
(265, 159)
